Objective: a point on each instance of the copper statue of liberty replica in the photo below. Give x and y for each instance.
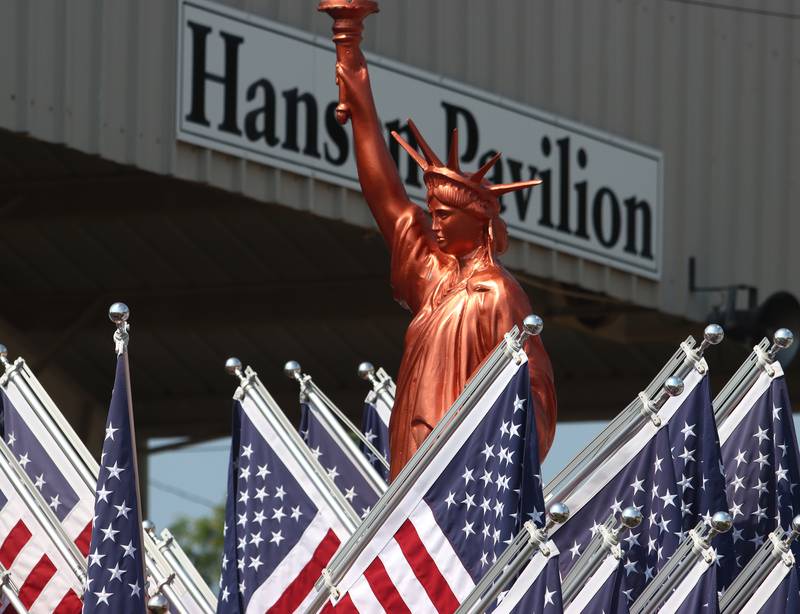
(444, 265)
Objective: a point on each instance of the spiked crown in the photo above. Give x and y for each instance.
(436, 173)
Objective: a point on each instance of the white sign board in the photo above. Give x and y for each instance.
(265, 92)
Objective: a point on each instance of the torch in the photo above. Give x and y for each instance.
(348, 23)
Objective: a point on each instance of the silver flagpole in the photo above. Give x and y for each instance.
(762, 357)
(172, 551)
(327, 413)
(696, 546)
(510, 349)
(167, 567)
(252, 387)
(382, 384)
(519, 552)
(34, 501)
(10, 592)
(605, 542)
(775, 550)
(59, 429)
(163, 581)
(631, 419)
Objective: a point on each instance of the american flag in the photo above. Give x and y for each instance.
(604, 591)
(668, 472)
(467, 504)
(70, 498)
(340, 465)
(116, 581)
(760, 454)
(44, 581)
(375, 426)
(537, 588)
(277, 536)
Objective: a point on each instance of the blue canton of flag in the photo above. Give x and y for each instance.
(493, 484)
(375, 426)
(759, 451)
(116, 567)
(276, 542)
(699, 470)
(336, 462)
(537, 589)
(468, 503)
(668, 473)
(33, 458)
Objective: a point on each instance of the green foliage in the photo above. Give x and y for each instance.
(201, 539)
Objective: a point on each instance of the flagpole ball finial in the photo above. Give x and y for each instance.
(714, 334)
(533, 325)
(157, 604)
(3, 354)
(148, 527)
(630, 517)
(233, 365)
(783, 338)
(119, 313)
(674, 386)
(558, 512)
(366, 370)
(721, 522)
(292, 369)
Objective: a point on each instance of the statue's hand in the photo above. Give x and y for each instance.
(356, 86)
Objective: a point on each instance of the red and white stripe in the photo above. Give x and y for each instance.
(44, 580)
(78, 523)
(290, 587)
(410, 564)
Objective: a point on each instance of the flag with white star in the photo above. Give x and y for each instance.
(465, 507)
(43, 580)
(760, 455)
(650, 473)
(605, 590)
(116, 563)
(277, 536)
(536, 589)
(375, 426)
(345, 467)
(59, 483)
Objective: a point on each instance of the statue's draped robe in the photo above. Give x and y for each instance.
(459, 318)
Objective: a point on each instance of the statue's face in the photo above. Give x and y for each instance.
(457, 232)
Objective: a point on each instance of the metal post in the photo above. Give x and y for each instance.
(163, 559)
(9, 591)
(382, 385)
(776, 550)
(695, 547)
(510, 349)
(631, 419)
(605, 542)
(518, 553)
(252, 388)
(34, 502)
(59, 429)
(762, 357)
(327, 413)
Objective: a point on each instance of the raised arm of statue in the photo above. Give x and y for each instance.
(380, 181)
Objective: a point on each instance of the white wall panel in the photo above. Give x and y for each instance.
(715, 89)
